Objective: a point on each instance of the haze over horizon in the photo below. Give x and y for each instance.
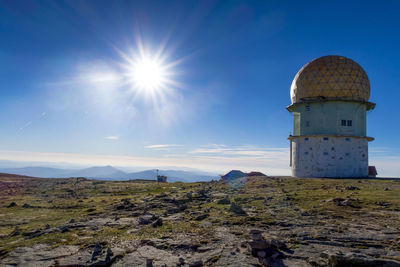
(203, 85)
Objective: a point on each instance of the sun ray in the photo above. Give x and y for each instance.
(149, 79)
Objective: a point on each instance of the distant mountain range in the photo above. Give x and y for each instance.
(111, 173)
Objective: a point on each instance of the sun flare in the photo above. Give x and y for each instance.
(150, 80)
(148, 74)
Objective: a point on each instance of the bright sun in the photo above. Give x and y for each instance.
(148, 78)
(148, 74)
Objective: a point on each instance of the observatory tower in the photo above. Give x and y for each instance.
(329, 103)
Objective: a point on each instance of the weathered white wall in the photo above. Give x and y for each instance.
(335, 157)
(326, 118)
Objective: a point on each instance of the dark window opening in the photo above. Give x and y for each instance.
(347, 123)
(347, 139)
(307, 124)
(306, 139)
(326, 138)
(308, 108)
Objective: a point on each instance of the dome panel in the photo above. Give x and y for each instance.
(331, 77)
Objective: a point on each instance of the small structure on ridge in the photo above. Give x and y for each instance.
(161, 178)
(372, 171)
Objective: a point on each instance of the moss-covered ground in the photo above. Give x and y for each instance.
(52, 203)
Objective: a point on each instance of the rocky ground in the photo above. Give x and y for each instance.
(258, 221)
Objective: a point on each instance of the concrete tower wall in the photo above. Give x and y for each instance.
(330, 98)
(326, 118)
(329, 156)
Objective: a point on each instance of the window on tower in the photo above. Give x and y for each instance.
(307, 123)
(307, 108)
(347, 123)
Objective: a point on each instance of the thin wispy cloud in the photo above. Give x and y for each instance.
(43, 114)
(384, 151)
(25, 125)
(248, 150)
(162, 147)
(112, 137)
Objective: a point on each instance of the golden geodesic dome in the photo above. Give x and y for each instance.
(330, 77)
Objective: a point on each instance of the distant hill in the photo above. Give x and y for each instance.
(111, 173)
(44, 172)
(100, 172)
(173, 175)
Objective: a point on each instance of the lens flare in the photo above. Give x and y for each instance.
(148, 74)
(150, 81)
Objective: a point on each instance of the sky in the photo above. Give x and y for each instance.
(68, 94)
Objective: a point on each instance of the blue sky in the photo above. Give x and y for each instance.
(62, 98)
